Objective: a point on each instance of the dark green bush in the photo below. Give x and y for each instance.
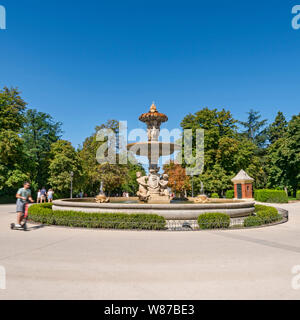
(298, 195)
(264, 215)
(5, 199)
(213, 220)
(43, 214)
(259, 208)
(214, 195)
(252, 221)
(271, 196)
(268, 216)
(229, 194)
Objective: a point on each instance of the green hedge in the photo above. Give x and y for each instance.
(264, 215)
(271, 196)
(229, 194)
(214, 195)
(213, 220)
(4, 199)
(252, 221)
(298, 195)
(43, 213)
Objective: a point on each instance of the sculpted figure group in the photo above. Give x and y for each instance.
(152, 185)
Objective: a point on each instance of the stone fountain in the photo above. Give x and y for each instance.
(154, 187)
(153, 196)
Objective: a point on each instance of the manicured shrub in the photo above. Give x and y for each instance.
(214, 195)
(229, 194)
(271, 196)
(43, 214)
(298, 195)
(213, 220)
(268, 216)
(252, 221)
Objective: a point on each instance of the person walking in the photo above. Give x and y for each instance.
(43, 195)
(50, 195)
(38, 199)
(23, 196)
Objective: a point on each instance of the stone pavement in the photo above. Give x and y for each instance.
(64, 263)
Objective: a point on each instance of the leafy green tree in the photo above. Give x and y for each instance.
(255, 129)
(39, 132)
(130, 184)
(12, 108)
(215, 180)
(13, 163)
(278, 128)
(216, 124)
(116, 178)
(64, 160)
(284, 158)
(225, 151)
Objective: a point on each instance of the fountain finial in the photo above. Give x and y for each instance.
(153, 108)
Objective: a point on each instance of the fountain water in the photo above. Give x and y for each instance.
(153, 188)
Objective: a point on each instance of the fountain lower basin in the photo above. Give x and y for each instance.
(172, 211)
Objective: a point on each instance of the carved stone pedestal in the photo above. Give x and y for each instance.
(156, 198)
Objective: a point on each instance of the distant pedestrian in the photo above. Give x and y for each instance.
(43, 195)
(38, 200)
(50, 195)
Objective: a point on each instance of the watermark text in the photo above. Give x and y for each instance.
(2, 17)
(296, 18)
(2, 278)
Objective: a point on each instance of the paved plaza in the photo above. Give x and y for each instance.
(64, 263)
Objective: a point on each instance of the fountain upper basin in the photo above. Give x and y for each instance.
(153, 149)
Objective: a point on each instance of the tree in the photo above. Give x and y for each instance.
(216, 124)
(225, 151)
(255, 130)
(178, 180)
(38, 133)
(278, 128)
(13, 163)
(215, 180)
(116, 178)
(63, 160)
(130, 185)
(12, 108)
(284, 158)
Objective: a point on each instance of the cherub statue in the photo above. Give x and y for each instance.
(153, 181)
(143, 187)
(163, 183)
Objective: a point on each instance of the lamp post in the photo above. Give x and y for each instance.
(175, 187)
(71, 178)
(192, 186)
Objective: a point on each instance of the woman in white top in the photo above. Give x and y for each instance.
(50, 195)
(38, 196)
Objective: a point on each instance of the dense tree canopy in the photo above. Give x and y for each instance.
(284, 158)
(31, 149)
(255, 129)
(39, 132)
(226, 151)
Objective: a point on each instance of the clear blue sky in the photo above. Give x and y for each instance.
(85, 62)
